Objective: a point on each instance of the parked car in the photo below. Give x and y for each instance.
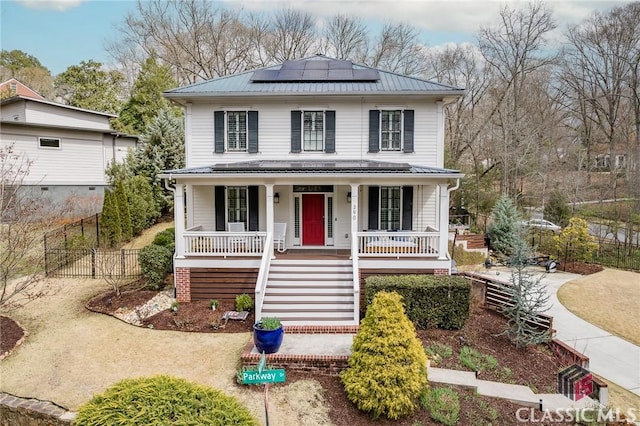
(541, 224)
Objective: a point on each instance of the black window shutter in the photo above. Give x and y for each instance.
(407, 207)
(330, 128)
(220, 207)
(296, 134)
(408, 130)
(374, 130)
(254, 208)
(374, 203)
(253, 131)
(218, 123)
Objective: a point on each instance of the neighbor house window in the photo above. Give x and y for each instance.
(49, 142)
(313, 130)
(236, 131)
(390, 207)
(390, 130)
(237, 204)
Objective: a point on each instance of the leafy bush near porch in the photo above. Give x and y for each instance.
(162, 400)
(431, 301)
(388, 367)
(166, 238)
(155, 263)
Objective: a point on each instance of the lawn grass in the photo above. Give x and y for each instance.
(621, 398)
(608, 299)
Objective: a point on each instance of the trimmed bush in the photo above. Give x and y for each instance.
(144, 211)
(166, 238)
(430, 301)
(388, 367)
(124, 211)
(244, 302)
(162, 400)
(155, 262)
(110, 227)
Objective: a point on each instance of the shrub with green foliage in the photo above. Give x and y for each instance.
(124, 211)
(443, 405)
(431, 301)
(165, 238)
(162, 400)
(110, 228)
(244, 302)
(388, 367)
(575, 243)
(557, 209)
(504, 230)
(156, 262)
(144, 211)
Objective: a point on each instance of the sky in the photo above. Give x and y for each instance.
(61, 33)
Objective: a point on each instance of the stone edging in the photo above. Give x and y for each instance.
(13, 408)
(18, 343)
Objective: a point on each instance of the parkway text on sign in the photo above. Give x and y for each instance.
(267, 376)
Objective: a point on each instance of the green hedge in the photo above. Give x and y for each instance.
(165, 238)
(156, 262)
(431, 301)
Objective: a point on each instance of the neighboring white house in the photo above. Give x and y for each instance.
(346, 158)
(69, 149)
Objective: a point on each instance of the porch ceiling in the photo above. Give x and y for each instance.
(303, 168)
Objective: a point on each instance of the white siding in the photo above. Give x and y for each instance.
(352, 133)
(425, 210)
(203, 207)
(64, 117)
(13, 112)
(79, 160)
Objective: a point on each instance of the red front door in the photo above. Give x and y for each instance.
(313, 219)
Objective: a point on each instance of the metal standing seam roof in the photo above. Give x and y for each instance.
(239, 84)
(311, 166)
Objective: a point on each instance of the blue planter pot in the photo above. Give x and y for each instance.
(267, 341)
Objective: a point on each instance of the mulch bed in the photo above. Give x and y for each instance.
(580, 268)
(11, 333)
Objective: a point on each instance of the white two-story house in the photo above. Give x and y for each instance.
(304, 178)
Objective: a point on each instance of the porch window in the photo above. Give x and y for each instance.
(236, 131)
(390, 133)
(390, 207)
(237, 204)
(313, 130)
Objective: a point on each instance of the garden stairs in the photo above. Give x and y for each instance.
(310, 292)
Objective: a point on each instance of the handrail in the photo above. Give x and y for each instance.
(223, 243)
(398, 244)
(261, 282)
(356, 279)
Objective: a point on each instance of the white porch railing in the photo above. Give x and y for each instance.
(356, 281)
(398, 244)
(261, 282)
(199, 243)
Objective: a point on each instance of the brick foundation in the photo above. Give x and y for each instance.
(440, 272)
(321, 364)
(182, 279)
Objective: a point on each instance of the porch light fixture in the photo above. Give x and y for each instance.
(348, 197)
(276, 198)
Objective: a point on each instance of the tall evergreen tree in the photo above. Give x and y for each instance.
(144, 211)
(110, 228)
(146, 97)
(504, 230)
(123, 211)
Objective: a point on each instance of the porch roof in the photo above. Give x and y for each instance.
(293, 167)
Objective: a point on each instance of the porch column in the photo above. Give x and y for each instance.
(355, 188)
(269, 188)
(178, 218)
(443, 222)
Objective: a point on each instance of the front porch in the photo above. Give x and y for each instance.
(337, 230)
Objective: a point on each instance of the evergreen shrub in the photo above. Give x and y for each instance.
(110, 227)
(431, 301)
(124, 211)
(166, 238)
(156, 262)
(162, 400)
(388, 367)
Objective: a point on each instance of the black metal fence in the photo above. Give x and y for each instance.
(617, 256)
(82, 234)
(92, 263)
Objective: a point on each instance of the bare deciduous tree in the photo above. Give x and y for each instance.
(398, 49)
(345, 37)
(292, 35)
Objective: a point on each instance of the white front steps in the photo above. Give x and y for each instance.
(310, 292)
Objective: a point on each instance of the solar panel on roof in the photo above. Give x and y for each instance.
(340, 65)
(315, 75)
(293, 65)
(316, 70)
(340, 75)
(316, 65)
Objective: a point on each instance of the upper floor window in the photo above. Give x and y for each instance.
(235, 131)
(391, 130)
(49, 143)
(313, 131)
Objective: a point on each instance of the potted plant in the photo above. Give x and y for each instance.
(174, 306)
(267, 335)
(213, 304)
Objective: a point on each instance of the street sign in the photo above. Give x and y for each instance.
(253, 377)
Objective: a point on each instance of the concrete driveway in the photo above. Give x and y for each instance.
(72, 354)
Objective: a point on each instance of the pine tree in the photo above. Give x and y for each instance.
(110, 228)
(530, 298)
(504, 231)
(123, 211)
(144, 211)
